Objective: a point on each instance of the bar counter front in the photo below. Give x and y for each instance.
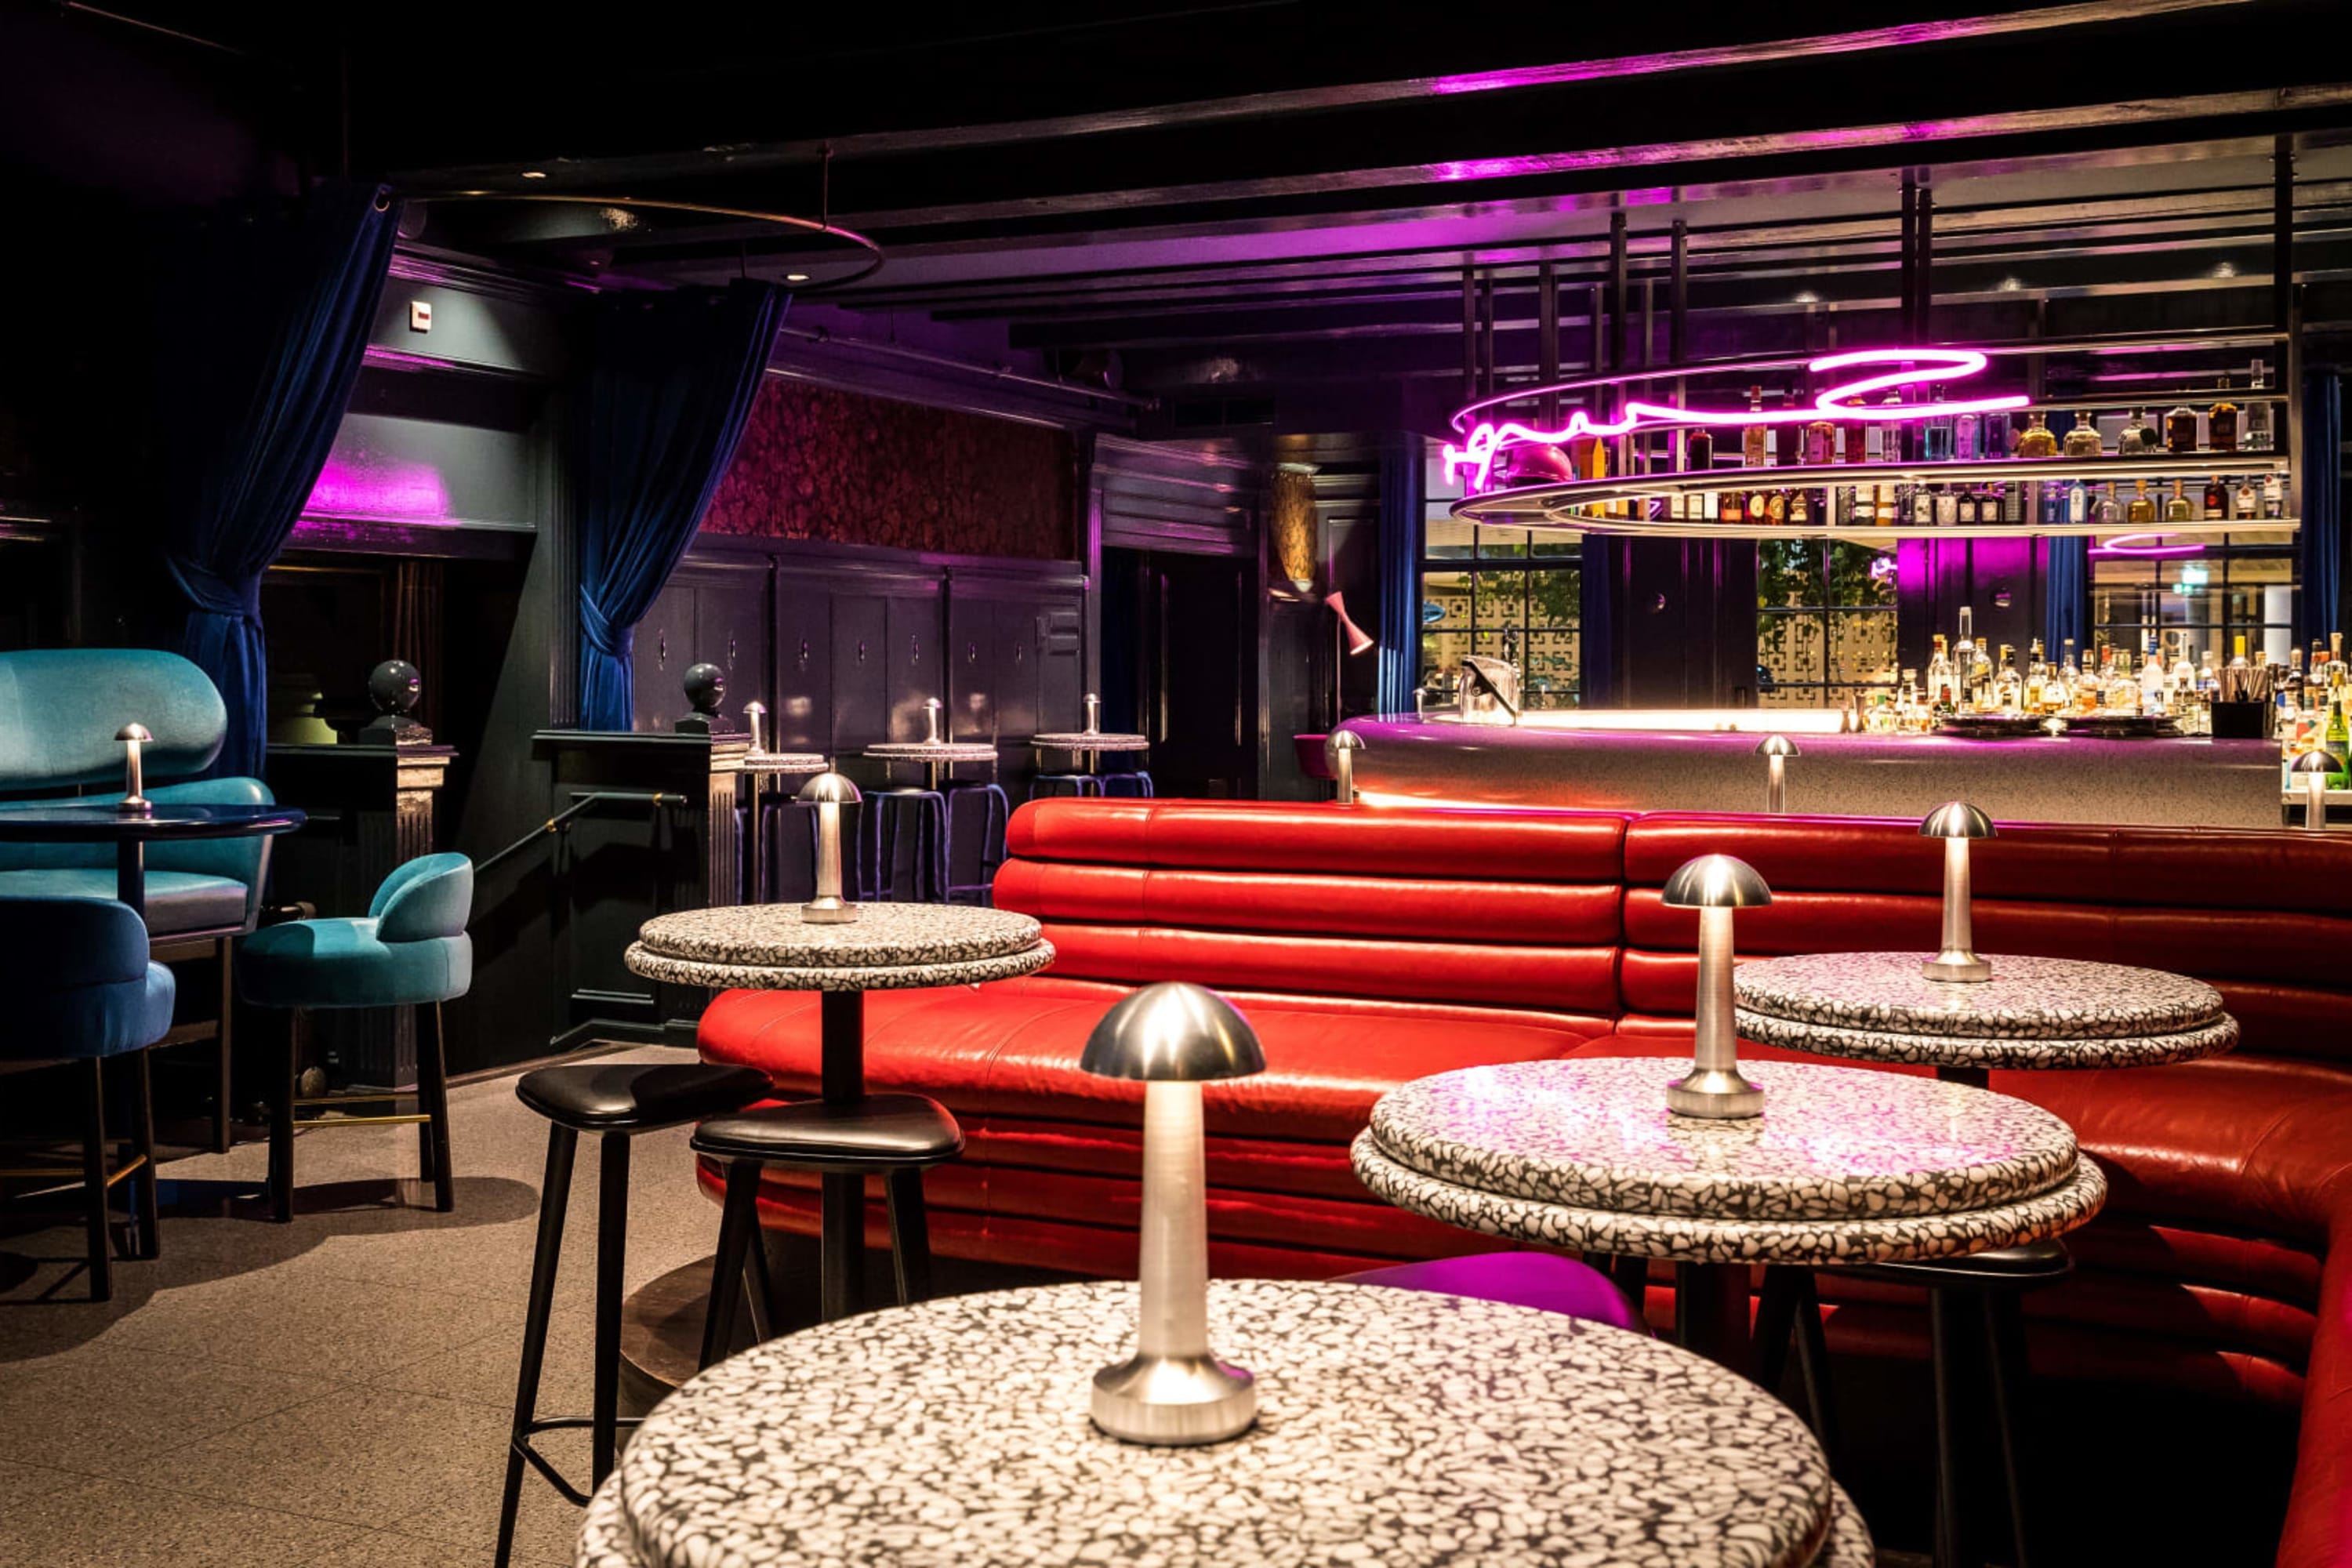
(1707, 760)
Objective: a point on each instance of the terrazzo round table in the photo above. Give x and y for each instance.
(1395, 1428)
(2035, 1013)
(934, 756)
(889, 947)
(1087, 745)
(1842, 1167)
(760, 766)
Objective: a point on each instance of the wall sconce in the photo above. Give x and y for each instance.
(2313, 767)
(1173, 1390)
(1715, 885)
(134, 801)
(1339, 748)
(1776, 751)
(829, 792)
(1956, 822)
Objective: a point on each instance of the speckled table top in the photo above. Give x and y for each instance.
(784, 762)
(1396, 1427)
(2027, 998)
(1988, 1051)
(1100, 741)
(1832, 1143)
(889, 947)
(933, 751)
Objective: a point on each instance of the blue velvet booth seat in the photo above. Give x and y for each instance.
(59, 711)
(80, 987)
(409, 950)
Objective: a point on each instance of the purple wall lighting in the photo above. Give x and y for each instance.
(361, 485)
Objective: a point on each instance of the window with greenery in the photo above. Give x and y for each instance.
(1508, 594)
(1824, 622)
(2239, 585)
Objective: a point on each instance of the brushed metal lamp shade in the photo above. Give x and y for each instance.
(1173, 1390)
(1715, 885)
(1956, 822)
(829, 792)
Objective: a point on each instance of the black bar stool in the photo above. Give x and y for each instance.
(894, 1136)
(617, 1100)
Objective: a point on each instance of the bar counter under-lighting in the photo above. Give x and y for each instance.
(1705, 760)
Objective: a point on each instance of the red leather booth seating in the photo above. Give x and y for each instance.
(1372, 947)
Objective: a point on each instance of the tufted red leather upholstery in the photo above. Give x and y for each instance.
(1372, 947)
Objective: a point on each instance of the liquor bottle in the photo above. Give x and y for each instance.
(1938, 433)
(1756, 440)
(2103, 510)
(2037, 441)
(2122, 692)
(1923, 505)
(1968, 443)
(2222, 421)
(1966, 509)
(1732, 510)
(2082, 439)
(2142, 509)
(1698, 450)
(1948, 507)
(2337, 739)
(2138, 439)
(1821, 441)
(2180, 429)
(1756, 510)
(1788, 436)
(1964, 654)
(1883, 508)
(1890, 430)
(2008, 689)
(2246, 500)
(2078, 502)
(2012, 502)
(1776, 508)
(1940, 695)
(2151, 681)
(2217, 497)
(2273, 495)
(2178, 508)
(1855, 444)
(2258, 424)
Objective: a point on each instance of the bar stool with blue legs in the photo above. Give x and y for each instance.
(80, 987)
(410, 950)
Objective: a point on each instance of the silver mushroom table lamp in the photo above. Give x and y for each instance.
(1173, 1390)
(134, 802)
(829, 792)
(2313, 768)
(1715, 885)
(1339, 748)
(1956, 822)
(1776, 751)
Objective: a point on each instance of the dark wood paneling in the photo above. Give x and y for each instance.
(805, 653)
(861, 687)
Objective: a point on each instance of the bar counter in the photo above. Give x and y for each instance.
(1685, 760)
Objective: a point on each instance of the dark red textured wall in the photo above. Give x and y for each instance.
(841, 466)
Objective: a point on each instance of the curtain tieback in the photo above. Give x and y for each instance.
(597, 627)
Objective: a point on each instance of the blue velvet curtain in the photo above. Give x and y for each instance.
(2319, 547)
(671, 383)
(1599, 567)
(2066, 597)
(266, 316)
(1400, 600)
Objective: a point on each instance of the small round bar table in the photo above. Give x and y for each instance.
(933, 755)
(132, 832)
(1842, 1167)
(759, 767)
(1087, 745)
(1396, 1427)
(889, 947)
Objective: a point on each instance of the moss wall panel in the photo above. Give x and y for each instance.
(848, 468)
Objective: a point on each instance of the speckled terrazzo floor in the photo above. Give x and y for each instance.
(331, 1393)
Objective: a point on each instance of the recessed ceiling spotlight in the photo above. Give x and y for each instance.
(2225, 269)
(795, 277)
(2010, 284)
(534, 173)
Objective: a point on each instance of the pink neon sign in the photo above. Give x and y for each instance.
(1488, 440)
(2127, 544)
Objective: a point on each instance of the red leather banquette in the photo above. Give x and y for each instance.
(1374, 947)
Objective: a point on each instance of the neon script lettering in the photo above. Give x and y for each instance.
(1489, 440)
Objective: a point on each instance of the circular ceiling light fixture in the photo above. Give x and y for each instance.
(638, 217)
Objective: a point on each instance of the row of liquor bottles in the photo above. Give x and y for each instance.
(2225, 427)
(2252, 500)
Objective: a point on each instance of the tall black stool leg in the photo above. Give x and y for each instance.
(1948, 1356)
(911, 1235)
(281, 1122)
(739, 1218)
(554, 1197)
(224, 1052)
(1776, 1319)
(1632, 1278)
(611, 1243)
(143, 1138)
(1813, 1363)
(2004, 1324)
(96, 1198)
(433, 1091)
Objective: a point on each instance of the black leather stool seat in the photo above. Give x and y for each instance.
(873, 1132)
(637, 1097)
(2021, 1267)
